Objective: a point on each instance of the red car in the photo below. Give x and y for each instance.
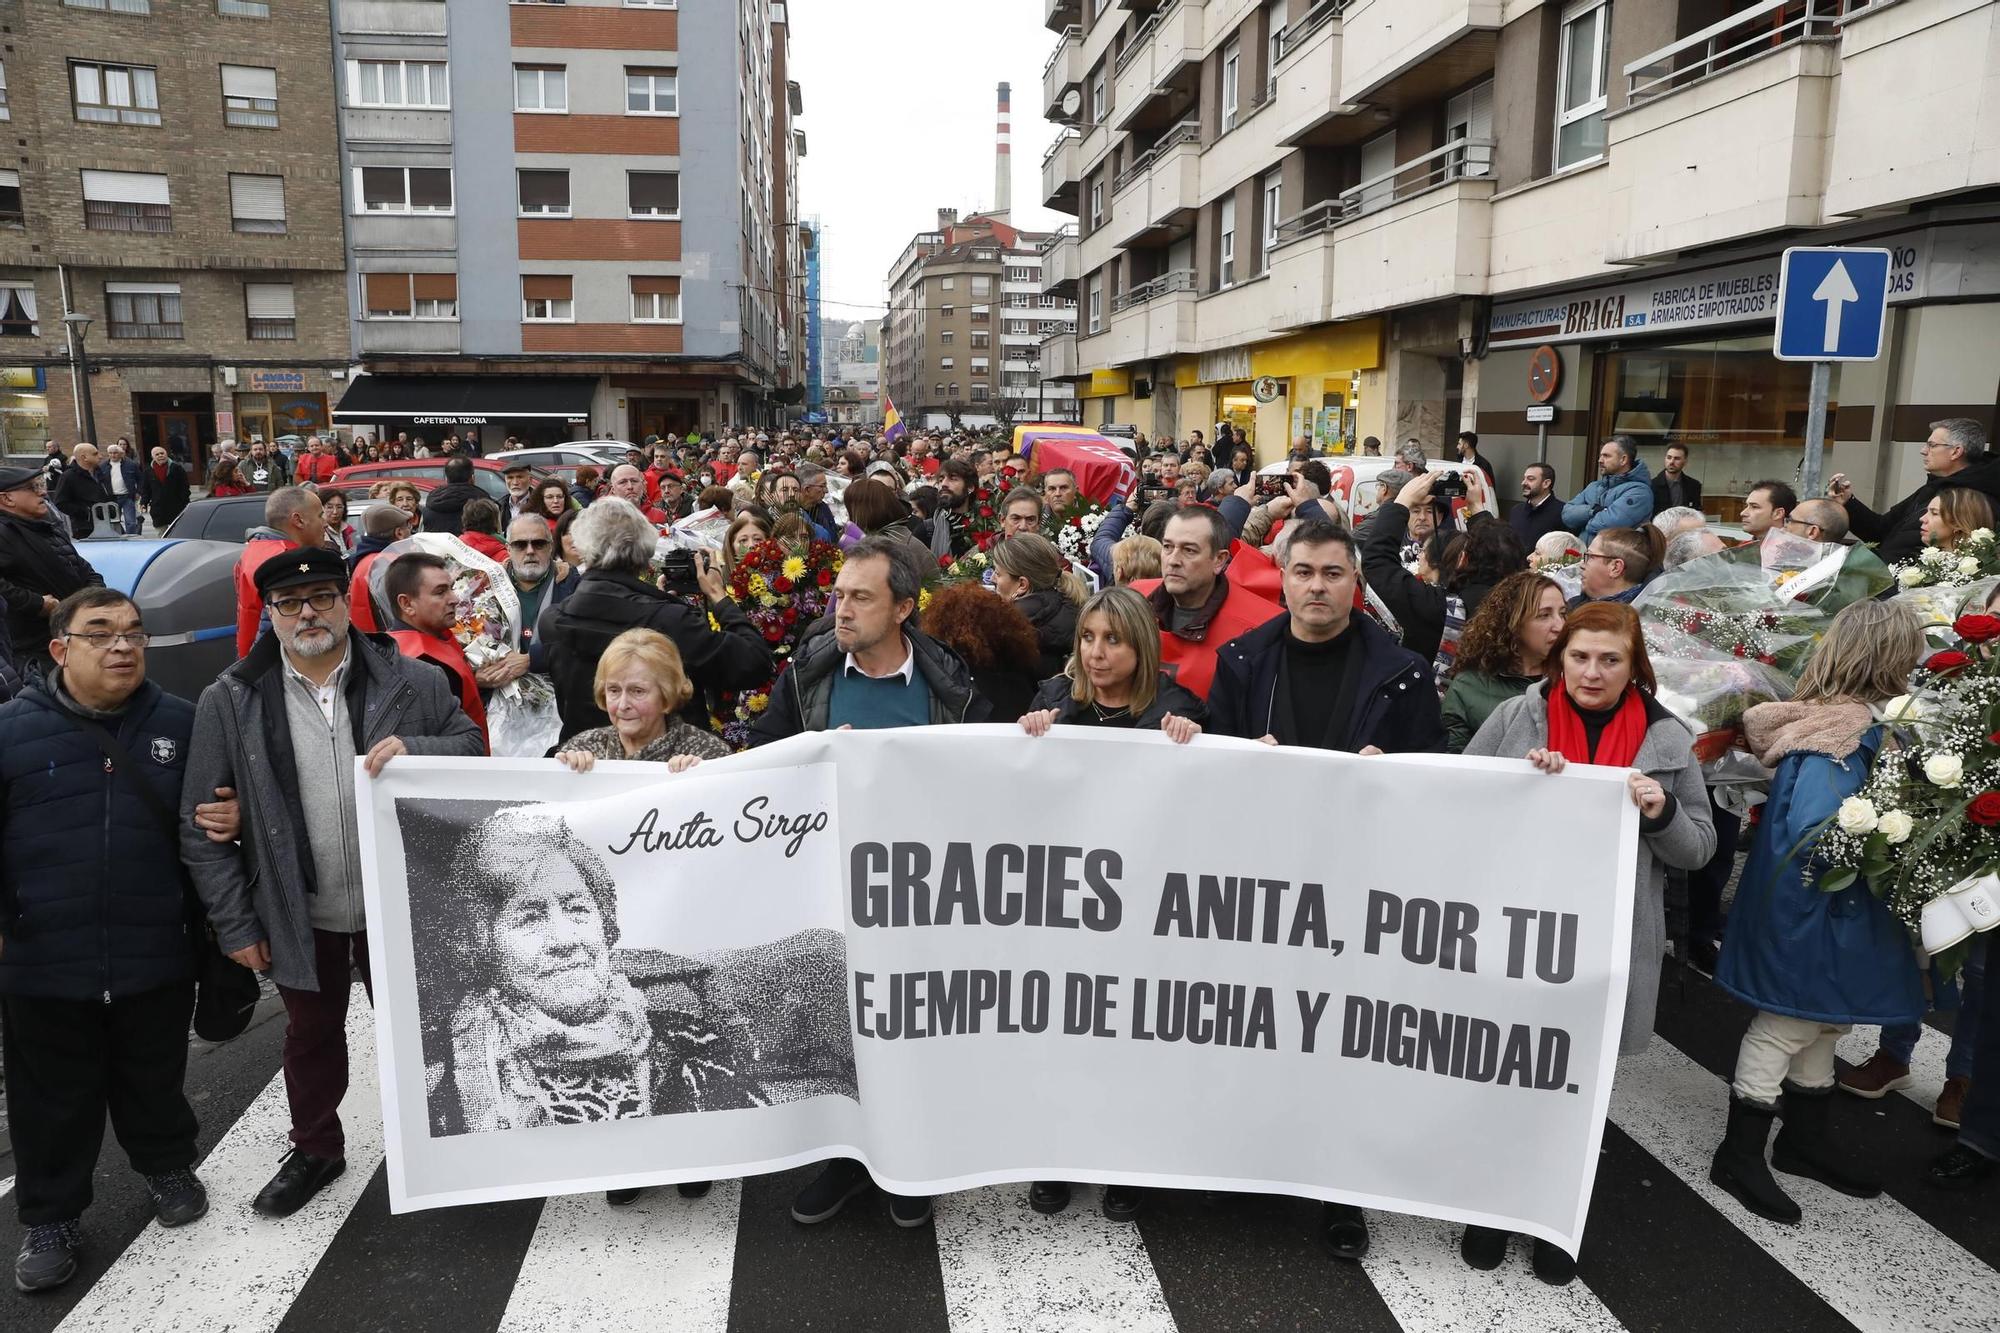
(428, 473)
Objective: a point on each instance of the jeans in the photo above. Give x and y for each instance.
(1900, 1041)
(1979, 1122)
(1779, 1047)
(128, 511)
(316, 1042)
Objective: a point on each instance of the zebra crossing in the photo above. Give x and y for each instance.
(1665, 1248)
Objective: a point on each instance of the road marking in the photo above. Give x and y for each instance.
(235, 1269)
(1010, 1269)
(1873, 1260)
(1926, 1062)
(1415, 1266)
(663, 1262)
(6, 1187)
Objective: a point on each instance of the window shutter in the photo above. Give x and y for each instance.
(387, 291)
(124, 187)
(268, 300)
(544, 189)
(143, 288)
(249, 81)
(258, 198)
(654, 191)
(10, 179)
(646, 285)
(545, 287)
(430, 187)
(436, 286)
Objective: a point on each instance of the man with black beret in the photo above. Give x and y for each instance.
(39, 565)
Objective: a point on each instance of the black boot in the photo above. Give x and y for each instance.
(1739, 1163)
(1802, 1148)
(1483, 1247)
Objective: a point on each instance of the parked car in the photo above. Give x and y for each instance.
(488, 474)
(229, 518)
(598, 453)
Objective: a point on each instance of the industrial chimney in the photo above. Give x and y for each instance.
(1003, 162)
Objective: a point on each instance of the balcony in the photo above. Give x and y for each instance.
(1308, 74)
(1060, 14)
(1299, 291)
(1159, 72)
(1156, 198)
(1725, 132)
(1384, 40)
(1419, 233)
(1915, 120)
(1152, 320)
(1060, 174)
(1063, 74)
(1060, 271)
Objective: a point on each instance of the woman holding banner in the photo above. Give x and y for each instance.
(1595, 705)
(641, 685)
(1502, 652)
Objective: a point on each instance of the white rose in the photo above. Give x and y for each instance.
(1902, 708)
(1910, 576)
(1968, 565)
(1933, 555)
(1982, 534)
(1944, 770)
(1857, 816)
(1896, 826)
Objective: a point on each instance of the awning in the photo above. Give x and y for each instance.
(464, 400)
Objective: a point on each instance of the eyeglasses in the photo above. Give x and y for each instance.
(101, 640)
(531, 544)
(291, 606)
(1599, 555)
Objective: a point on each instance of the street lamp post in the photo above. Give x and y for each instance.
(79, 326)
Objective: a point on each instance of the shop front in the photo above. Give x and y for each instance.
(24, 410)
(535, 410)
(1306, 385)
(272, 404)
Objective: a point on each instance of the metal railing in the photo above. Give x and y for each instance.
(1066, 232)
(1142, 39)
(1311, 221)
(1458, 160)
(1180, 280)
(1188, 131)
(1071, 34)
(1068, 136)
(1321, 14)
(1757, 31)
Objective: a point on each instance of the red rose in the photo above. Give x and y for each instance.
(1977, 628)
(986, 511)
(1767, 659)
(1994, 739)
(781, 584)
(1984, 809)
(1944, 663)
(1076, 522)
(1739, 650)
(826, 578)
(774, 632)
(790, 616)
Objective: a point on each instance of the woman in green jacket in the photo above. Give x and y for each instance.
(1501, 651)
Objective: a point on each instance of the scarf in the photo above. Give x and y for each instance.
(1619, 744)
(498, 1047)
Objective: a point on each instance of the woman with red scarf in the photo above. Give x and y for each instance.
(1595, 705)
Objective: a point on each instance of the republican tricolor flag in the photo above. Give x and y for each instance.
(893, 428)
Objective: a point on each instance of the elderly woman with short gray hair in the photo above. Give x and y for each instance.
(720, 649)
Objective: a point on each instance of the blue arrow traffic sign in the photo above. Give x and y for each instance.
(1832, 303)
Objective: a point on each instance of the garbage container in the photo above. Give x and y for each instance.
(186, 591)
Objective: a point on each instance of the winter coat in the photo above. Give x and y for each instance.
(1054, 618)
(103, 475)
(1897, 533)
(1791, 948)
(803, 694)
(444, 507)
(1690, 492)
(164, 496)
(1059, 693)
(1395, 701)
(1684, 838)
(258, 889)
(93, 899)
(74, 494)
(259, 545)
(678, 739)
(1471, 699)
(37, 559)
(1189, 653)
(575, 632)
(1531, 523)
(1623, 501)
(554, 591)
(1420, 608)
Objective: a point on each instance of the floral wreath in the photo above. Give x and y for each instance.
(781, 589)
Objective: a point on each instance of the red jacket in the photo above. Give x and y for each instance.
(249, 606)
(317, 468)
(447, 654)
(1188, 655)
(360, 603)
(486, 544)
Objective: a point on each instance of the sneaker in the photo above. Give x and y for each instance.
(623, 1198)
(843, 1179)
(909, 1211)
(178, 1198)
(1878, 1078)
(1951, 1102)
(300, 1176)
(48, 1256)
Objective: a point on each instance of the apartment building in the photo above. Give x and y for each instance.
(854, 371)
(570, 217)
(169, 178)
(1403, 218)
(961, 346)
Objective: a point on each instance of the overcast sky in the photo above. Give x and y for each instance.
(899, 122)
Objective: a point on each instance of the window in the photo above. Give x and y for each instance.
(980, 393)
(115, 94)
(5, 113)
(541, 88)
(17, 312)
(982, 339)
(947, 310)
(409, 295)
(10, 199)
(1274, 44)
(945, 363)
(945, 336)
(1228, 227)
(938, 389)
(256, 203)
(1096, 204)
(126, 201)
(1232, 84)
(652, 4)
(951, 391)
(1100, 99)
(114, 6)
(543, 193)
(398, 83)
(143, 309)
(268, 308)
(1470, 116)
(250, 97)
(1580, 82)
(947, 284)
(1096, 300)
(545, 299)
(653, 194)
(981, 365)
(656, 300)
(982, 287)
(1274, 207)
(652, 92)
(982, 314)
(243, 9)
(1378, 164)
(403, 189)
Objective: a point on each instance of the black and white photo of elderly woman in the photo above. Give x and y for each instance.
(549, 1032)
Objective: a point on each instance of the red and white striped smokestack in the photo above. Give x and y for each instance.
(1003, 160)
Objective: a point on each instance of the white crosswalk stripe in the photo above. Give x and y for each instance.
(1415, 1266)
(1009, 1269)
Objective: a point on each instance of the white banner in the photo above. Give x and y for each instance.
(966, 956)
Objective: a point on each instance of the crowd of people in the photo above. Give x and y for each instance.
(1409, 616)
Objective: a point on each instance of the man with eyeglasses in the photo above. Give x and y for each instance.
(1954, 454)
(531, 564)
(1818, 521)
(95, 999)
(284, 727)
(39, 565)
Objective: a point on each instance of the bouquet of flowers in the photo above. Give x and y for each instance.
(983, 508)
(1925, 830)
(975, 566)
(782, 589)
(1977, 557)
(1072, 529)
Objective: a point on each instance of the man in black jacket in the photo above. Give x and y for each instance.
(163, 489)
(617, 542)
(1541, 509)
(39, 565)
(444, 508)
(96, 995)
(1673, 488)
(1954, 455)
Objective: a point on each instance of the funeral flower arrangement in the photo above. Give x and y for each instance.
(972, 567)
(1977, 557)
(984, 509)
(1072, 529)
(1925, 829)
(782, 588)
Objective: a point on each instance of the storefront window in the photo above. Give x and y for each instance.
(24, 411)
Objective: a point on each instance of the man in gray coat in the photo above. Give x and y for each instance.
(284, 727)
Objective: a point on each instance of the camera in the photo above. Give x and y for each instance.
(1150, 495)
(1448, 486)
(679, 574)
(1272, 485)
